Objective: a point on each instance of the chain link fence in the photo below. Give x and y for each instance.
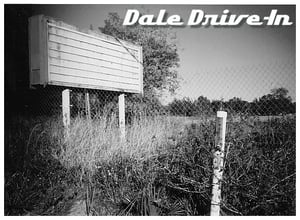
(264, 91)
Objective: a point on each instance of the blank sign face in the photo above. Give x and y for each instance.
(67, 56)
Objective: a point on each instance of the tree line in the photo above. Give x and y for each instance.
(277, 102)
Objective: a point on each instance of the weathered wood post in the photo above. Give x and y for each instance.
(122, 116)
(66, 109)
(218, 162)
(87, 105)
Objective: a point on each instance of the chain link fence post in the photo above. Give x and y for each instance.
(218, 161)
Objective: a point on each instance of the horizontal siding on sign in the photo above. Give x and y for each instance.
(92, 82)
(60, 69)
(105, 52)
(119, 64)
(81, 37)
(91, 61)
(54, 61)
(87, 61)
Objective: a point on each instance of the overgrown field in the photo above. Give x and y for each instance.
(163, 168)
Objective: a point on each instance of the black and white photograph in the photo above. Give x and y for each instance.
(149, 109)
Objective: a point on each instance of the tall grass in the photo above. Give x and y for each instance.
(260, 173)
(34, 180)
(94, 147)
(93, 142)
(163, 167)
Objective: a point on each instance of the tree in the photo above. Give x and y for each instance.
(183, 107)
(160, 57)
(279, 93)
(217, 105)
(275, 103)
(237, 105)
(202, 106)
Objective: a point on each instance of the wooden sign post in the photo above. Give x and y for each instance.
(87, 105)
(122, 116)
(66, 108)
(218, 162)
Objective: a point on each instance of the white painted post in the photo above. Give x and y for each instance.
(122, 116)
(66, 108)
(87, 105)
(218, 163)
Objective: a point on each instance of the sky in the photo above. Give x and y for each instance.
(216, 62)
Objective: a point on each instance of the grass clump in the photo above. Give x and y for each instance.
(93, 142)
(260, 173)
(35, 182)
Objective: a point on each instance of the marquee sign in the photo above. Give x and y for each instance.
(64, 55)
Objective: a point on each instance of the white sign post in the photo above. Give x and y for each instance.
(218, 162)
(87, 105)
(122, 116)
(66, 108)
